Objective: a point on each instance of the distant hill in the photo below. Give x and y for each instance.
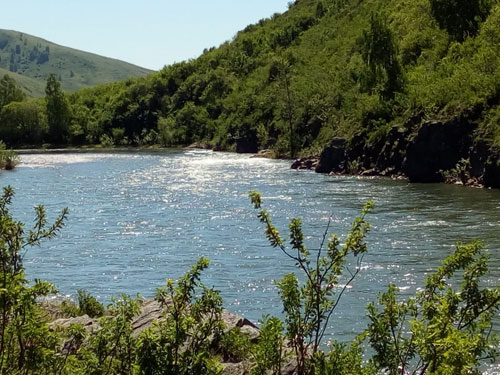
(31, 86)
(30, 60)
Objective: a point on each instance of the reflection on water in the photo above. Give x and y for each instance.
(136, 219)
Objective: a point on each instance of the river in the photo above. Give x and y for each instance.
(138, 218)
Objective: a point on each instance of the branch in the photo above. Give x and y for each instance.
(332, 309)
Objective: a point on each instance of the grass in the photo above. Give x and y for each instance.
(34, 59)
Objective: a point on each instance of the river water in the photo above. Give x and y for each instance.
(138, 218)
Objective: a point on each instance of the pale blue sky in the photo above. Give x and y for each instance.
(149, 33)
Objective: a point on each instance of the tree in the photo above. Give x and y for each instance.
(281, 72)
(460, 17)
(379, 53)
(58, 112)
(23, 123)
(10, 91)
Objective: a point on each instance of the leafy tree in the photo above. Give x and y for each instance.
(379, 53)
(460, 17)
(10, 91)
(23, 123)
(281, 71)
(58, 111)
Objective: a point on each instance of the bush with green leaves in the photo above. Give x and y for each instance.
(8, 158)
(112, 349)
(309, 307)
(446, 328)
(180, 343)
(270, 352)
(88, 304)
(26, 343)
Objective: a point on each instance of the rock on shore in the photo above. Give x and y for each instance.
(422, 151)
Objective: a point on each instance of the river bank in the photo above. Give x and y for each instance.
(432, 151)
(339, 158)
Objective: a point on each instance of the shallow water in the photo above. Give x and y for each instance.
(137, 218)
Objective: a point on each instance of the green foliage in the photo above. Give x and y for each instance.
(168, 133)
(460, 17)
(446, 328)
(106, 141)
(112, 349)
(461, 172)
(180, 344)
(58, 111)
(88, 304)
(23, 123)
(9, 91)
(379, 53)
(26, 344)
(8, 158)
(118, 135)
(309, 307)
(234, 345)
(343, 359)
(269, 353)
(69, 308)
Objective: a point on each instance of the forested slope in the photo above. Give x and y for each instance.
(395, 79)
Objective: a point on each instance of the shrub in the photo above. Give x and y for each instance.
(180, 343)
(234, 345)
(445, 329)
(269, 353)
(308, 307)
(87, 304)
(26, 343)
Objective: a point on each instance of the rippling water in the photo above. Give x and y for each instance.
(137, 218)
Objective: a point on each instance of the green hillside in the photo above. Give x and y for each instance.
(36, 58)
(401, 87)
(30, 86)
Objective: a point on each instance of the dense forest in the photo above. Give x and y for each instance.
(409, 86)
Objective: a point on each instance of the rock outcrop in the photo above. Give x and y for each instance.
(333, 158)
(491, 176)
(150, 312)
(305, 163)
(437, 147)
(429, 151)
